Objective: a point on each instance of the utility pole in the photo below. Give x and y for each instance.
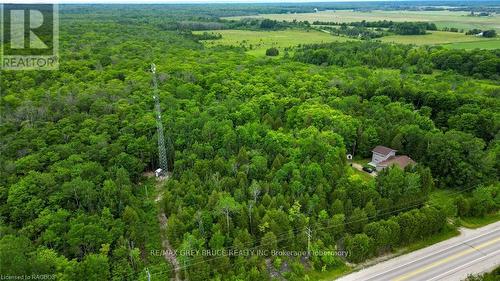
(250, 215)
(162, 151)
(309, 234)
(185, 272)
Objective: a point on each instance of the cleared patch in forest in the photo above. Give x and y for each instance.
(257, 42)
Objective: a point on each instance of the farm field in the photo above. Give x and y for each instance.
(440, 18)
(483, 44)
(436, 38)
(257, 42)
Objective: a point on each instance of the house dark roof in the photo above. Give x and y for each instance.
(402, 161)
(383, 150)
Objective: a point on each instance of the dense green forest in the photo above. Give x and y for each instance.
(256, 147)
(476, 63)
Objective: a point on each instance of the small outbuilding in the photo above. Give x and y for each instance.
(158, 172)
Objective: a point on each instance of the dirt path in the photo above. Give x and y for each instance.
(168, 251)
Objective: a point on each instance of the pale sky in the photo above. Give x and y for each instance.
(175, 1)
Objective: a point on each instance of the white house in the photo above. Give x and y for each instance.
(384, 157)
(381, 153)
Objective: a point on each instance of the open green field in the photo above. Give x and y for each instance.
(483, 44)
(256, 42)
(437, 37)
(442, 19)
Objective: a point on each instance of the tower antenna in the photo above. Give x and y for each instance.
(161, 172)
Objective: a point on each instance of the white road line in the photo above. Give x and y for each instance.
(463, 266)
(432, 254)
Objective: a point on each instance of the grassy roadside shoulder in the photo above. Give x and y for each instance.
(476, 222)
(446, 199)
(329, 274)
(449, 231)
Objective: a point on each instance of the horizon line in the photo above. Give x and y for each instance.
(138, 2)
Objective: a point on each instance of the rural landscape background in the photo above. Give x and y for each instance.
(271, 114)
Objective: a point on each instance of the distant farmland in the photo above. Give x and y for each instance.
(435, 38)
(485, 44)
(460, 20)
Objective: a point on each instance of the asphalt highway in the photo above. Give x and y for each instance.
(473, 251)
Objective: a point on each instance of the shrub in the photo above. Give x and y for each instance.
(489, 33)
(272, 52)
